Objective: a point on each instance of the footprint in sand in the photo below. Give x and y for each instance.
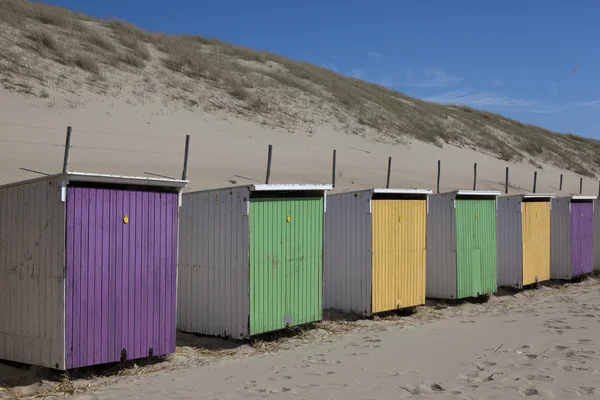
(321, 373)
(280, 378)
(585, 390)
(529, 391)
(583, 341)
(538, 377)
(423, 388)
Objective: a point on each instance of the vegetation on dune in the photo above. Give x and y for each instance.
(258, 83)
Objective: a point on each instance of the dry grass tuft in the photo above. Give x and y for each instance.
(132, 60)
(99, 40)
(87, 63)
(45, 41)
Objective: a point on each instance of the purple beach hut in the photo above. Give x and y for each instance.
(571, 237)
(88, 269)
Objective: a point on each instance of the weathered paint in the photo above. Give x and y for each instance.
(121, 260)
(596, 236)
(582, 238)
(32, 274)
(441, 247)
(347, 253)
(213, 277)
(571, 237)
(560, 239)
(536, 241)
(475, 247)
(35, 270)
(509, 232)
(286, 262)
(398, 275)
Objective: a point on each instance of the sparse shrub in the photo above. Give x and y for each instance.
(138, 48)
(44, 41)
(188, 63)
(258, 105)
(100, 40)
(126, 29)
(238, 90)
(132, 60)
(87, 63)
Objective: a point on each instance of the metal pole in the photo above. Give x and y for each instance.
(387, 185)
(269, 163)
(67, 151)
(333, 171)
(560, 185)
(580, 185)
(506, 183)
(475, 176)
(534, 180)
(185, 158)
(438, 175)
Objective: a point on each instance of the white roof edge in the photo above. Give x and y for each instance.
(104, 178)
(401, 191)
(538, 195)
(578, 197)
(290, 187)
(477, 193)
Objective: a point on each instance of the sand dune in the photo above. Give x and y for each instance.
(113, 136)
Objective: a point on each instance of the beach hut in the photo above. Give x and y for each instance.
(87, 269)
(523, 230)
(375, 250)
(461, 244)
(572, 237)
(251, 259)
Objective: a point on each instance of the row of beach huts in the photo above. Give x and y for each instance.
(99, 268)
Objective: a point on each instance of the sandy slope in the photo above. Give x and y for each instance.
(543, 344)
(113, 135)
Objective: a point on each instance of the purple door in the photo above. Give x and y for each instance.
(121, 259)
(582, 238)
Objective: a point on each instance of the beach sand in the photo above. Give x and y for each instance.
(541, 343)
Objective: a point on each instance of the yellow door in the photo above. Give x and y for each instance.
(536, 242)
(398, 254)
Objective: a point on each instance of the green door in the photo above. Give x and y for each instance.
(475, 247)
(286, 262)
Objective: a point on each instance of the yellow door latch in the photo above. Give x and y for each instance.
(400, 218)
(288, 219)
(126, 219)
(476, 215)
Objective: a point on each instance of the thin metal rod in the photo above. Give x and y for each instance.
(580, 185)
(333, 170)
(506, 182)
(269, 157)
(185, 158)
(599, 189)
(67, 150)
(387, 185)
(438, 175)
(534, 181)
(475, 176)
(560, 184)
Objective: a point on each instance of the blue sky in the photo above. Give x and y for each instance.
(514, 57)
